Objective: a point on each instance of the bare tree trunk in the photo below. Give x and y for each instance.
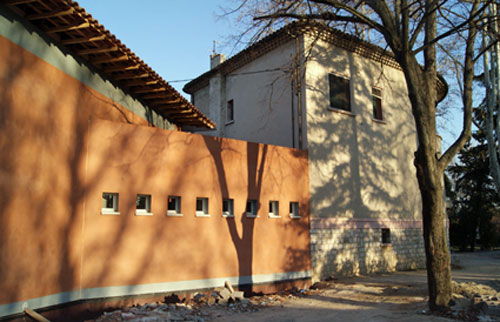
(492, 83)
(430, 174)
(436, 247)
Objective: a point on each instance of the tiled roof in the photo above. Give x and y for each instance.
(290, 32)
(70, 26)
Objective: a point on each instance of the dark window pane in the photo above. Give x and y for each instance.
(339, 92)
(107, 200)
(172, 203)
(386, 236)
(377, 108)
(141, 202)
(199, 204)
(230, 110)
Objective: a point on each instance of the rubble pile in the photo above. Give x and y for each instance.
(473, 301)
(200, 307)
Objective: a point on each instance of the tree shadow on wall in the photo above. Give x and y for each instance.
(359, 168)
(44, 184)
(243, 241)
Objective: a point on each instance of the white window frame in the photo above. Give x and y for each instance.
(294, 210)
(253, 208)
(147, 211)
(274, 209)
(230, 204)
(177, 211)
(204, 211)
(114, 210)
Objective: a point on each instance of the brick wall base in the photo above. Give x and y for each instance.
(352, 251)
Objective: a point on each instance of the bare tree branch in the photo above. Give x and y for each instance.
(467, 96)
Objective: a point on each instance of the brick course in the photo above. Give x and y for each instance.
(350, 251)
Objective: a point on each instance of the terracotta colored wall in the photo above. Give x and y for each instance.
(57, 156)
(44, 115)
(131, 160)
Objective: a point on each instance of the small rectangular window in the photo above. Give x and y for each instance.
(174, 206)
(109, 204)
(251, 208)
(202, 207)
(386, 236)
(294, 210)
(143, 205)
(274, 209)
(377, 103)
(340, 92)
(230, 111)
(227, 207)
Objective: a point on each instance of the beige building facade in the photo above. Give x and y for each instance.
(344, 101)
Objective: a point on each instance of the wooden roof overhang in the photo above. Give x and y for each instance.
(70, 26)
(292, 31)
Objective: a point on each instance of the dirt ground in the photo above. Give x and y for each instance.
(399, 296)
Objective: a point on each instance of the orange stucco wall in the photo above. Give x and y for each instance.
(62, 144)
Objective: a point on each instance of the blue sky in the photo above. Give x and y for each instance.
(175, 38)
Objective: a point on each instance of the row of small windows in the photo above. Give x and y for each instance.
(340, 96)
(110, 203)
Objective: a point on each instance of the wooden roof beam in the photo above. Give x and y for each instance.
(16, 2)
(139, 82)
(171, 103)
(69, 27)
(126, 75)
(189, 119)
(51, 14)
(125, 68)
(180, 113)
(149, 90)
(176, 117)
(96, 50)
(105, 60)
(81, 40)
(161, 101)
(159, 95)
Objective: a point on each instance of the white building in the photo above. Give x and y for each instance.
(344, 100)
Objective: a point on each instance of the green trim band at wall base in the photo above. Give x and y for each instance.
(115, 291)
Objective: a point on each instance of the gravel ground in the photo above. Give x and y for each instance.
(400, 296)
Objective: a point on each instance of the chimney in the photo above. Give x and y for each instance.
(216, 60)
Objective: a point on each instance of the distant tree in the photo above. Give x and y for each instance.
(474, 200)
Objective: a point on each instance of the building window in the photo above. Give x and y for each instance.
(202, 207)
(294, 210)
(274, 209)
(377, 103)
(143, 205)
(340, 92)
(174, 206)
(230, 111)
(251, 209)
(109, 204)
(386, 236)
(228, 207)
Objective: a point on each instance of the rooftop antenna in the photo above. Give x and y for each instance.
(215, 50)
